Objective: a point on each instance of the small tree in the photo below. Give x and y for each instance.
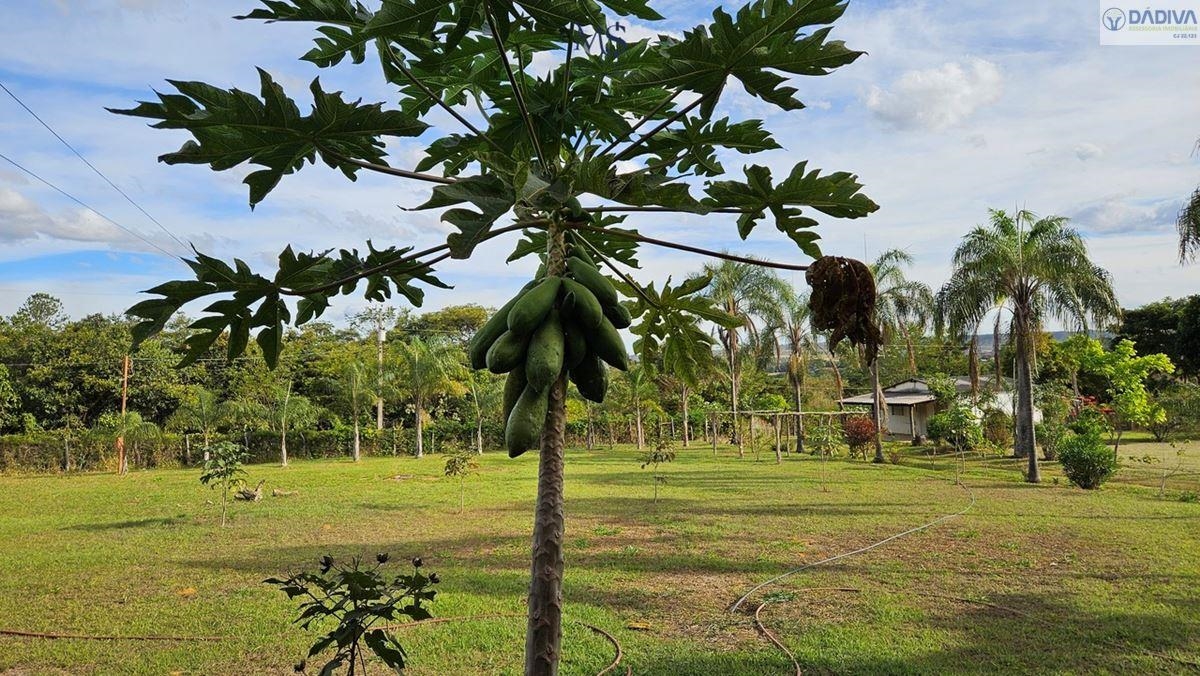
(358, 598)
(661, 453)
(223, 470)
(461, 465)
(1126, 373)
(824, 440)
(859, 432)
(1180, 404)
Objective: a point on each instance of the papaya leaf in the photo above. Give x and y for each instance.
(836, 195)
(766, 36)
(231, 127)
(488, 192)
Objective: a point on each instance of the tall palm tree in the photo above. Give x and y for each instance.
(902, 308)
(429, 369)
(1188, 225)
(198, 411)
(242, 413)
(1034, 268)
(792, 325)
(748, 292)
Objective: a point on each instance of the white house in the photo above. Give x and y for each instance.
(910, 403)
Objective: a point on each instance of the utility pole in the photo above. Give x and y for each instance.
(122, 465)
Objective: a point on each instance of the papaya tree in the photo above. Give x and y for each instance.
(538, 118)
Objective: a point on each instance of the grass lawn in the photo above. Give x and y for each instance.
(1077, 582)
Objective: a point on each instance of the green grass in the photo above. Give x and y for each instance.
(1080, 582)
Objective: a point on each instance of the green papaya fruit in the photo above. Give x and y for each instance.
(619, 316)
(527, 314)
(507, 353)
(492, 329)
(579, 249)
(544, 358)
(590, 378)
(524, 425)
(606, 343)
(574, 345)
(514, 385)
(590, 277)
(581, 305)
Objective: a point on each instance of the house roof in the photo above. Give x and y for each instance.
(892, 400)
(916, 391)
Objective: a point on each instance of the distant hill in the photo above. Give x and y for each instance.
(985, 339)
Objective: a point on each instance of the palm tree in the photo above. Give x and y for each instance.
(487, 396)
(902, 307)
(429, 369)
(641, 396)
(289, 411)
(792, 323)
(198, 411)
(747, 292)
(1034, 268)
(1188, 225)
(242, 413)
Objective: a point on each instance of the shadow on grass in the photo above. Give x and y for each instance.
(130, 523)
(1046, 634)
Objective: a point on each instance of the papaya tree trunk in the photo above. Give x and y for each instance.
(543, 635)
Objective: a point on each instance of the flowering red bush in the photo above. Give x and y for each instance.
(859, 431)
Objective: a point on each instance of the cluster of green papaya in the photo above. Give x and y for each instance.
(553, 325)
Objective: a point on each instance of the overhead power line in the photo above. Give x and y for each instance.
(92, 166)
(83, 204)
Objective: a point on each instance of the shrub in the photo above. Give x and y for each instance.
(859, 432)
(956, 427)
(938, 427)
(1050, 434)
(1086, 459)
(998, 428)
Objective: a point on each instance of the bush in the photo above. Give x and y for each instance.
(1086, 460)
(938, 427)
(859, 432)
(998, 428)
(1050, 434)
(956, 427)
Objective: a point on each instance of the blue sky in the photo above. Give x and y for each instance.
(958, 107)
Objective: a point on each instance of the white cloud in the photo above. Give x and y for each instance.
(937, 98)
(22, 220)
(1088, 151)
(1119, 214)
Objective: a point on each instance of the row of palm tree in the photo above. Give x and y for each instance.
(1019, 266)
